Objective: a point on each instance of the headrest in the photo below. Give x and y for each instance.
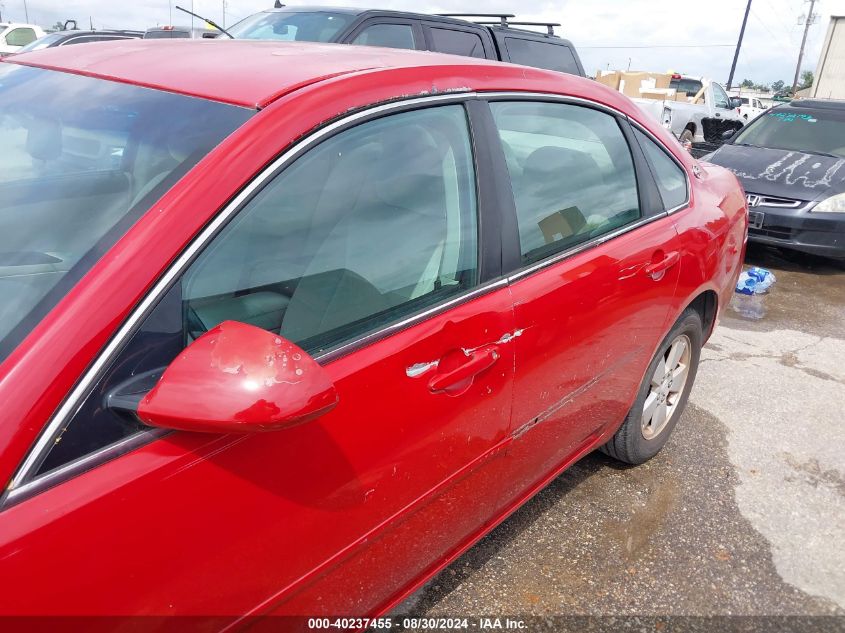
(44, 140)
(184, 142)
(409, 171)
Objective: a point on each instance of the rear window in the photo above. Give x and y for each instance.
(539, 54)
(691, 86)
(20, 37)
(457, 42)
(82, 159)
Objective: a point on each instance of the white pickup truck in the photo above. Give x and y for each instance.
(751, 108)
(702, 118)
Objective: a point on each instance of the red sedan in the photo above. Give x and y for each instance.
(287, 328)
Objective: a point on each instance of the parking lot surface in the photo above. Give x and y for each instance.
(740, 514)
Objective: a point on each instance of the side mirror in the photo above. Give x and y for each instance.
(736, 102)
(728, 135)
(237, 377)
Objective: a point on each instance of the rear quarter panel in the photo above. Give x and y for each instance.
(713, 231)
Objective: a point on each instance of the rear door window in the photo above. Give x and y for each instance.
(572, 174)
(671, 179)
(388, 35)
(456, 42)
(548, 55)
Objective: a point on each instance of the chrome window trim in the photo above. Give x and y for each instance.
(371, 337)
(21, 485)
(551, 260)
(91, 36)
(79, 466)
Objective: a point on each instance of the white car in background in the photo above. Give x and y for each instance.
(750, 108)
(14, 36)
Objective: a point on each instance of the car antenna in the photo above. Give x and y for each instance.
(214, 24)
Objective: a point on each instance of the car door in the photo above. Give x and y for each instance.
(365, 251)
(389, 32)
(594, 270)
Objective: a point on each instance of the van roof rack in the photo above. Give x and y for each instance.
(503, 17)
(550, 26)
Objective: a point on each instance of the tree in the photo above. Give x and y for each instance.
(778, 85)
(59, 26)
(806, 79)
(746, 83)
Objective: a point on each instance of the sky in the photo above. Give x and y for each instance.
(695, 37)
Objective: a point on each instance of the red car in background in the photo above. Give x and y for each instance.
(287, 327)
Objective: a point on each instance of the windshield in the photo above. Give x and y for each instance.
(300, 26)
(794, 129)
(82, 159)
(689, 86)
(44, 42)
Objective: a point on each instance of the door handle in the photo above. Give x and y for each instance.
(656, 270)
(477, 361)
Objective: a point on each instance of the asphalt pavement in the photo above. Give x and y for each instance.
(741, 514)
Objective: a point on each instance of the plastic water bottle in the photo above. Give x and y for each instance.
(755, 281)
(749, 306)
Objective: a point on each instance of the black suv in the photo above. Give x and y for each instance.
(493, 36)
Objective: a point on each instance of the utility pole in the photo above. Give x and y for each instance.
(739, 44)
(26, 11)
(810, 18)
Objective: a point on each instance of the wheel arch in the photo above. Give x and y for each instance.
(706, 304)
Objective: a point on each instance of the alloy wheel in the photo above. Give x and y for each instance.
(666, 387)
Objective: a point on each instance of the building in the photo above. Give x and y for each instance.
(830, 73)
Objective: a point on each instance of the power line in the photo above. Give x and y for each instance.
(666, 46)
(787, 31)
(786, 43)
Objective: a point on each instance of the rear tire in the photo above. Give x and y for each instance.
(663, 394)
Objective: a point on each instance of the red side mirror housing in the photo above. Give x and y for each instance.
(238, 377)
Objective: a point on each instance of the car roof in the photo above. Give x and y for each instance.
(240, 72)
(319, 8)
(360, 11)
(816, 104)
